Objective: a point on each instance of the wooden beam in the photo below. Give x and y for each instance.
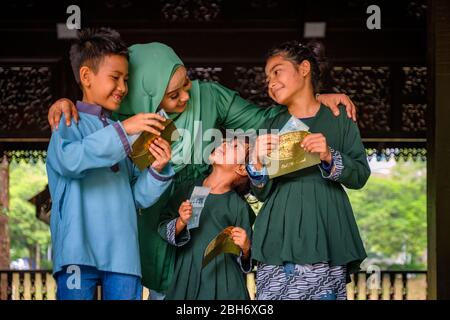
(438, 182)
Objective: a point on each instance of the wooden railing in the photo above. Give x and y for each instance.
(27, 285)
(388, 285)
(384, 285)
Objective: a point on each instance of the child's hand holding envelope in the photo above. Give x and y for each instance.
(140, 154)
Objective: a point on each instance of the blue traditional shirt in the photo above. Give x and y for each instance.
(96, 191)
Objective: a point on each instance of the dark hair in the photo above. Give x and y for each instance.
(92, 45)
(242, 186)
(296, 52)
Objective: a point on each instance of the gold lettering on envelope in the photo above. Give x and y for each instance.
(290, 156)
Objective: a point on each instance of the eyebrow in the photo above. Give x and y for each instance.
(278, 64)
(120, 72)
(271, 69)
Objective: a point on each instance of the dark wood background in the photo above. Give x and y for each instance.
(384, 71)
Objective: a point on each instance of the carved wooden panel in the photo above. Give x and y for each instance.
(414, 92)
(205, 73)
(369, 88)
(190, 10)
(25, 95)
(251, 84)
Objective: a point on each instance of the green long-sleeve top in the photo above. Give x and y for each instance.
(307, 217)
(220, 107)
(223, 278)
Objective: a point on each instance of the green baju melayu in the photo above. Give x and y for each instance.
(307, 217)
(151, 67)
(223, 278)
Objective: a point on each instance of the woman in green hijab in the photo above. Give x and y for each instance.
(158, 79)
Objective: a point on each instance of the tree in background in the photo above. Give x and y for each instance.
(30, 237)
(391, 214)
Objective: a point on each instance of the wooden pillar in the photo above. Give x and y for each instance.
(4, 205)
(438, 182)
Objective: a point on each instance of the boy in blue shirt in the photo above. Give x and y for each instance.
(95, 188)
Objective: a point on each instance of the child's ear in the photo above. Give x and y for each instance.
(241, 170)
(85, 76)
(305, 68)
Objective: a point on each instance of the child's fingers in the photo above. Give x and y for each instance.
(186, 203)
(157, 149)
(154, 153)
(164, 145)
(147, 128)
(155, 116)
(312, 139)
(315, 147)
(153, 123)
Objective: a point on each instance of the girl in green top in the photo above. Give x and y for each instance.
(223, 278)
(305, 239)
(158, 79)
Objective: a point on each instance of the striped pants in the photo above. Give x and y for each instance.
(318, 281)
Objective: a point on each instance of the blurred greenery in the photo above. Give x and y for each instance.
(391, 214)
(28, 234)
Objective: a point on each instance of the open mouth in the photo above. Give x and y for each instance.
(117, 97)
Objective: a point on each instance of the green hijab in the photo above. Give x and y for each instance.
(151, 67)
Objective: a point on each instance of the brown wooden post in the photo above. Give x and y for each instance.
(438, 140)
(4, 205)
(4, 235)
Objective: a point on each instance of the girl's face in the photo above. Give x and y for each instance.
(230, 154)
(284, 79)
(177, 93)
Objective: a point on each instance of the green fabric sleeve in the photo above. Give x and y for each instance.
(236, 112)
(355, 168)
(245, 219)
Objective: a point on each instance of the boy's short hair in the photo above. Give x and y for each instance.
(92, 45)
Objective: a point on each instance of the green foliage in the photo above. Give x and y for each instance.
(27, 233)
(391, 214)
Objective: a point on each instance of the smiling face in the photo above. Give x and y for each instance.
(230, 158)
(177, 96)
(285, 80)
(106, 86)
(230, 153)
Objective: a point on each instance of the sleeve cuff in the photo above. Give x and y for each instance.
(246, 266)
(165, 175)
(327, 167)
(123, 137)
(258, 177)
(182, 238)
(337, 166)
